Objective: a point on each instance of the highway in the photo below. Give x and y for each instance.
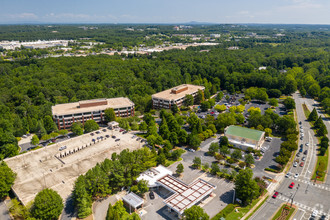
(305, 194)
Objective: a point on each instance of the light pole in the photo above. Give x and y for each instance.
(234, 197)
(294, 194)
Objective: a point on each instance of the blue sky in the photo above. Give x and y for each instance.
(166, 11)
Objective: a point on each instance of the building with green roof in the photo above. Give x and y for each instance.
(244, 137)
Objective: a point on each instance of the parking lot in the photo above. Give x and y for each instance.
(221, 196)
(268, 159)
(51, 167)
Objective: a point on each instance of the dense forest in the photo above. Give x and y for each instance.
(28, 88)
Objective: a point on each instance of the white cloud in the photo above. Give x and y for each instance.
(22, 16)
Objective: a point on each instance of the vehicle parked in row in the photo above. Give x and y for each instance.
(305, 152)
(301, 164)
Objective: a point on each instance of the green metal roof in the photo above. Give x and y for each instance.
(244, 132)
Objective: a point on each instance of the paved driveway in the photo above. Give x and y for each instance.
(4, 212)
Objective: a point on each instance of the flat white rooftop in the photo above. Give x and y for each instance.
(74, 107)
(154, 174)
(170, 95)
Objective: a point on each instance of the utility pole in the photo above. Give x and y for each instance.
(294, 194)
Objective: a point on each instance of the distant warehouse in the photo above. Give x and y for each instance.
(174, 96)
(244, 137)
(65, 114)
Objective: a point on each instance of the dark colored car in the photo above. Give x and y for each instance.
(117, 139)
(301, 145)
(113, 136)
(92, 134)
(275, 195)
(107, 136)
(93, 140)
(151, 195)
(97, 132)
(104, 130)
(300, 122)
(305, 152)
(300, 150)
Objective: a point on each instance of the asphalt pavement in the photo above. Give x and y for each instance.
(305, 194)
(4, 212)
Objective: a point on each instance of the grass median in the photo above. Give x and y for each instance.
(285, 212)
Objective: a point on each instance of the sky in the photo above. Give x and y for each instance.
(165, 11)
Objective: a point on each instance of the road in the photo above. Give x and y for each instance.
(307, 195)
(4, 213)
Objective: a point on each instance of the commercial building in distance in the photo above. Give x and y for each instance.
(65, 114)
(244, 137)
(183, 196)
(174, 96)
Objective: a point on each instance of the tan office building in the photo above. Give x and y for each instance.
(244, 137)
(65, 114)
(174, 96)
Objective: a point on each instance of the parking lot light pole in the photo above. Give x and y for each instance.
(234, 197)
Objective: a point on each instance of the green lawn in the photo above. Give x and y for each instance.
(322, 161)
(241, 211)
(278, 213)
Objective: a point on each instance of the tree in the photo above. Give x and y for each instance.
(182, 136)
(48, 204)
(49, 124)
(194, 141)
(205, 106)
(199, 97)
(224, 141)
(143, 186)
(214, 148)
(7, 178)
(197, 162)
(237, 154)
(220, 108)
(179, 168)
(224, 150)
(219, 96)
(268, 131)
(246, 188)
(34, 140)
(302, 91)
(215, 168)
(143, 126)
(322, 131)
(289, 103)
(273, 102)
(110, 115)
(188, 100)
(90, 126)
(174, 109)
(249, 159)
(318, 123)
(77, 129)
(313, 115)
(195, 213)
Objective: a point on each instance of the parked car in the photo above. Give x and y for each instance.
(300, 150)
(301, 164)
(97, 132)
(298, 154)
(303, 159)
(62, 148)
(295, 164)
(301, 145)
(275, 195)
(307, 144)
(107, 136)
(191, 150)
(151, 195)
(291, 185)
(296, 175)
(92, 134)
(113, 136)
(300, 122)
(104, 130)
(315, 212)
(93, 140)
(117, 140)
(305, 152)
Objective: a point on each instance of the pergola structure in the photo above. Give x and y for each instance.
(133, 201)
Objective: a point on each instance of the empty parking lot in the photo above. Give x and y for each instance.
(51, 168)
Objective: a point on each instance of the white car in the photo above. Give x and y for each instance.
(295, 164)
(307, 144)
(315, 212)
(288, 174)
(296, 175)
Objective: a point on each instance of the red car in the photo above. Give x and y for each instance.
(302, 164)
(291, 185)
(212, 113)
(275, 195)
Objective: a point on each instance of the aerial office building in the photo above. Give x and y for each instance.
(244, 137)
(174, 96)
(65, 114)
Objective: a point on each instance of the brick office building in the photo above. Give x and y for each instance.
(65, 114)
(176, 95)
